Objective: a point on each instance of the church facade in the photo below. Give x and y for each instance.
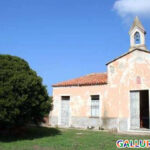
(116, 100)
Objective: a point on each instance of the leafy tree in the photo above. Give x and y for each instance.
(23, 98)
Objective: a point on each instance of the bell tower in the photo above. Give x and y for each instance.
(137, 36)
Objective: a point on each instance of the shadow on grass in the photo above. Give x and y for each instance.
(31, 133)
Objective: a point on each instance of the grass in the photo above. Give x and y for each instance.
(40, 138)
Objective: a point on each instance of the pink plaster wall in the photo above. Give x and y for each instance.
(80, 98)
(124, 79)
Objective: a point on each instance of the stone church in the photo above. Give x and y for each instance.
(115, 100)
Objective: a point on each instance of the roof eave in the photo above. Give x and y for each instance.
(77, 85)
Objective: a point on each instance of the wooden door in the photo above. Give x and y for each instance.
(135, 110)
(65, 111)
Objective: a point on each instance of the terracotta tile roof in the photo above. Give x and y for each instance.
(91, 79)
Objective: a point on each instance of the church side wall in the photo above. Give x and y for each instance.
(80, 104)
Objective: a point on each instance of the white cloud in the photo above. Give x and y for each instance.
(127, 8)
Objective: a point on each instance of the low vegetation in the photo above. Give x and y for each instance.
(39, 138)
(23, 97)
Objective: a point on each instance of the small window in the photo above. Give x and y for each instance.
(137, 38)
(112, 69)
(95, 106)
(65, 97)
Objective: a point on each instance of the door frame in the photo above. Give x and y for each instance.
(138, 90)
(59, 111)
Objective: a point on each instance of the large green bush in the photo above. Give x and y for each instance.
(23, 98)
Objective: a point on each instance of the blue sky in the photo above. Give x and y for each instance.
(64, 39)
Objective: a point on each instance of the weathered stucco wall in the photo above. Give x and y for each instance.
(128, 73)
(131, 72)
(80, 103)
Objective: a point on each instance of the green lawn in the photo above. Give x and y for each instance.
(63, 139)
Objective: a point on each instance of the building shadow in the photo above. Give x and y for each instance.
(29, 133)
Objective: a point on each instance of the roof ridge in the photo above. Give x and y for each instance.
(96, 73)
(136, 49)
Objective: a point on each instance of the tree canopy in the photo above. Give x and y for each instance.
(23, 98)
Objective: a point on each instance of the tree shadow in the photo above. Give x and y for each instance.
(30, 133)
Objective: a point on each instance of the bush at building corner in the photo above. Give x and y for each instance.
(23, 98)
